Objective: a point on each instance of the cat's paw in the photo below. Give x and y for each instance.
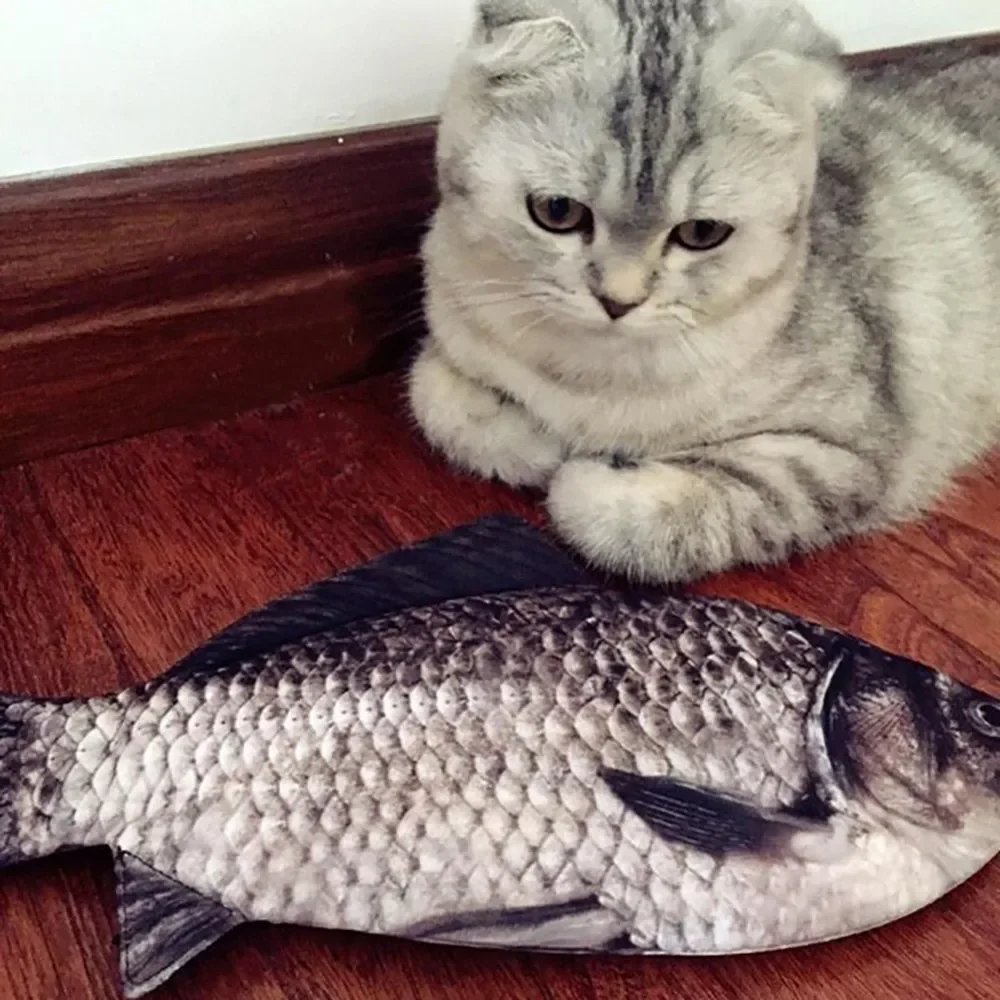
(478, 429)
(515, 450)
(629, 519)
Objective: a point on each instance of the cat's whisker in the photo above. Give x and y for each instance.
(481, 282)
(512, 292)
(692, 344)
(534, 324)
(409, 320)
(500, 300)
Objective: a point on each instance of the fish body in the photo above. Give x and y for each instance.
(553, 766)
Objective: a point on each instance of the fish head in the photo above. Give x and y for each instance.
(973, 723)
(915, 752)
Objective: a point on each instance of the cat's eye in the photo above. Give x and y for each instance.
(700, 235)
(559, 214)
(985, 716)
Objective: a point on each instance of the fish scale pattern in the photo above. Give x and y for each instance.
(444, 760)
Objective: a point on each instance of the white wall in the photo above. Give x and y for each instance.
(89, 82)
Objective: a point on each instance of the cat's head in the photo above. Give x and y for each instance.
(625, 166)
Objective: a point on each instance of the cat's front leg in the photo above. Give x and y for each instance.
(754, 501)
(477, 428)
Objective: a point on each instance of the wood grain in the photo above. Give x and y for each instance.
(120, 559)
(154, 295)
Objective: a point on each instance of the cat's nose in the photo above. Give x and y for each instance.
(616, 309)
(620, 283)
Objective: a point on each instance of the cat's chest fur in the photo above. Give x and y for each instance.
(644, 399)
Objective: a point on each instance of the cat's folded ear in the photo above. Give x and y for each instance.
(519, 46)
(775, 54)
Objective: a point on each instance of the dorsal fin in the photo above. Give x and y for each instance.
(493, 555)
(163, 924)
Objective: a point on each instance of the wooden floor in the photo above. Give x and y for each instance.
(119, 560)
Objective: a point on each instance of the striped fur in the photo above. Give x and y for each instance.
(826, 372)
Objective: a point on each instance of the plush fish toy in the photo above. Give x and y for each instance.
(470, 742)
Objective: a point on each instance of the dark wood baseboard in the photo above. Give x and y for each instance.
(144, 297)
(160, 294)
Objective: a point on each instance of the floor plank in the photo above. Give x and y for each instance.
(119, 560)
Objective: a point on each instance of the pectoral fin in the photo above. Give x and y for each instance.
(578, 925)
(718, 824)
(163, 925)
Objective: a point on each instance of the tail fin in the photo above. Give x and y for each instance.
(28, 788)
(10, 783)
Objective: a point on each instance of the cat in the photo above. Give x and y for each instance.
(722, 298)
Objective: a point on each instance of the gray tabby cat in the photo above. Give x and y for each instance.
(724, 300)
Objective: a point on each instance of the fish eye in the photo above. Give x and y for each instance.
(560, 214)
(985, 716)
(700, 235)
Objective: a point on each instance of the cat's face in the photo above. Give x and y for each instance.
(625, 188)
